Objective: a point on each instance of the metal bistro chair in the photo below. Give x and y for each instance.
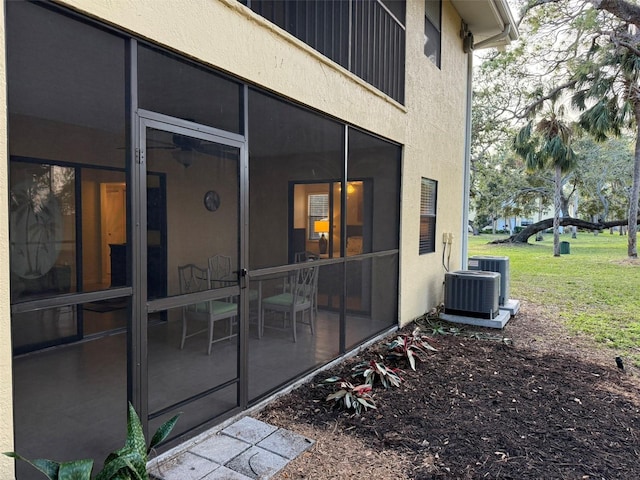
(299, 298)
(196, 279)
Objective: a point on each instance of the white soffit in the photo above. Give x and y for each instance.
(487, 19)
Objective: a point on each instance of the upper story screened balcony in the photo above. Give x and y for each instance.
(367, 37)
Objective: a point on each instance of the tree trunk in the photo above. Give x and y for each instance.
(523, 236)
(632, 249)
(557, 203)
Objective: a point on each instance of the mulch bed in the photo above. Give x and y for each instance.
(482, 409)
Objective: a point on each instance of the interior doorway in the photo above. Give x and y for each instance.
(316, 214)
(313, 226)
(113, 219)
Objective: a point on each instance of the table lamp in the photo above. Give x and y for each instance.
(322, 227)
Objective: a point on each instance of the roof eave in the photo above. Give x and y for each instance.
(490, 21)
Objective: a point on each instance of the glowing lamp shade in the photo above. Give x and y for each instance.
(321, 226)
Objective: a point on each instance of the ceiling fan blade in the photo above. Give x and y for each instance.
(225, 152)
(209, 148)
(185, 143)
(159, 145)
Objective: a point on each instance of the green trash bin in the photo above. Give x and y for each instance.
(565, 247)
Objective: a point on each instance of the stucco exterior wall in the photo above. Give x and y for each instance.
(229, 37)
(433, 148)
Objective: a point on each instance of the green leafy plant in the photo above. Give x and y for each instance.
(128, 463)
(374, 370)
(438, 327)
(412, 346)
(351, 397)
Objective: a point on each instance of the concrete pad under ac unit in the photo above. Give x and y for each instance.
(498, 321)
(512, 306)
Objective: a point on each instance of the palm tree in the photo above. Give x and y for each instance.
(546, 146)
(608, 93)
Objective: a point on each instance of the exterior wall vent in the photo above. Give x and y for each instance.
(494, 264)
(472, 293)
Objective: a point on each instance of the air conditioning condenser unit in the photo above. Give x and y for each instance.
(472, 293)
(471, 297)
(500, 265)
(494, 264)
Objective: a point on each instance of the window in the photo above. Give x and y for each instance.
(428, 216)
(432, 30)
(318, 210)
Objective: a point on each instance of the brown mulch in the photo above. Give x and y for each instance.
(542, 404)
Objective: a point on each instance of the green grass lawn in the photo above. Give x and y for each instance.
(595, 287)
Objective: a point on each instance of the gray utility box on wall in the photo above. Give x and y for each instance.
(472, 293)
(494, 264)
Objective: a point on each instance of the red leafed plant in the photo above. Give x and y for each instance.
(376, 370)
(351, 397)
(411, 346)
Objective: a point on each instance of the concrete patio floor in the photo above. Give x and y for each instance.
(246, 449)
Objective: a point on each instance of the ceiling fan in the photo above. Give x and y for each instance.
(188, 146)
(184, 148)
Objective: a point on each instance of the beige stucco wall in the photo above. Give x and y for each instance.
(226, 35)
(433, 148)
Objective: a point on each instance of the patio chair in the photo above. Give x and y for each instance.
(298, 299)
(305, 256)
(195, 279)
(220, 271)
(223, 276)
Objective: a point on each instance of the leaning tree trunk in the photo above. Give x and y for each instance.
(524, 235)
(632, 249)
(557, 202)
